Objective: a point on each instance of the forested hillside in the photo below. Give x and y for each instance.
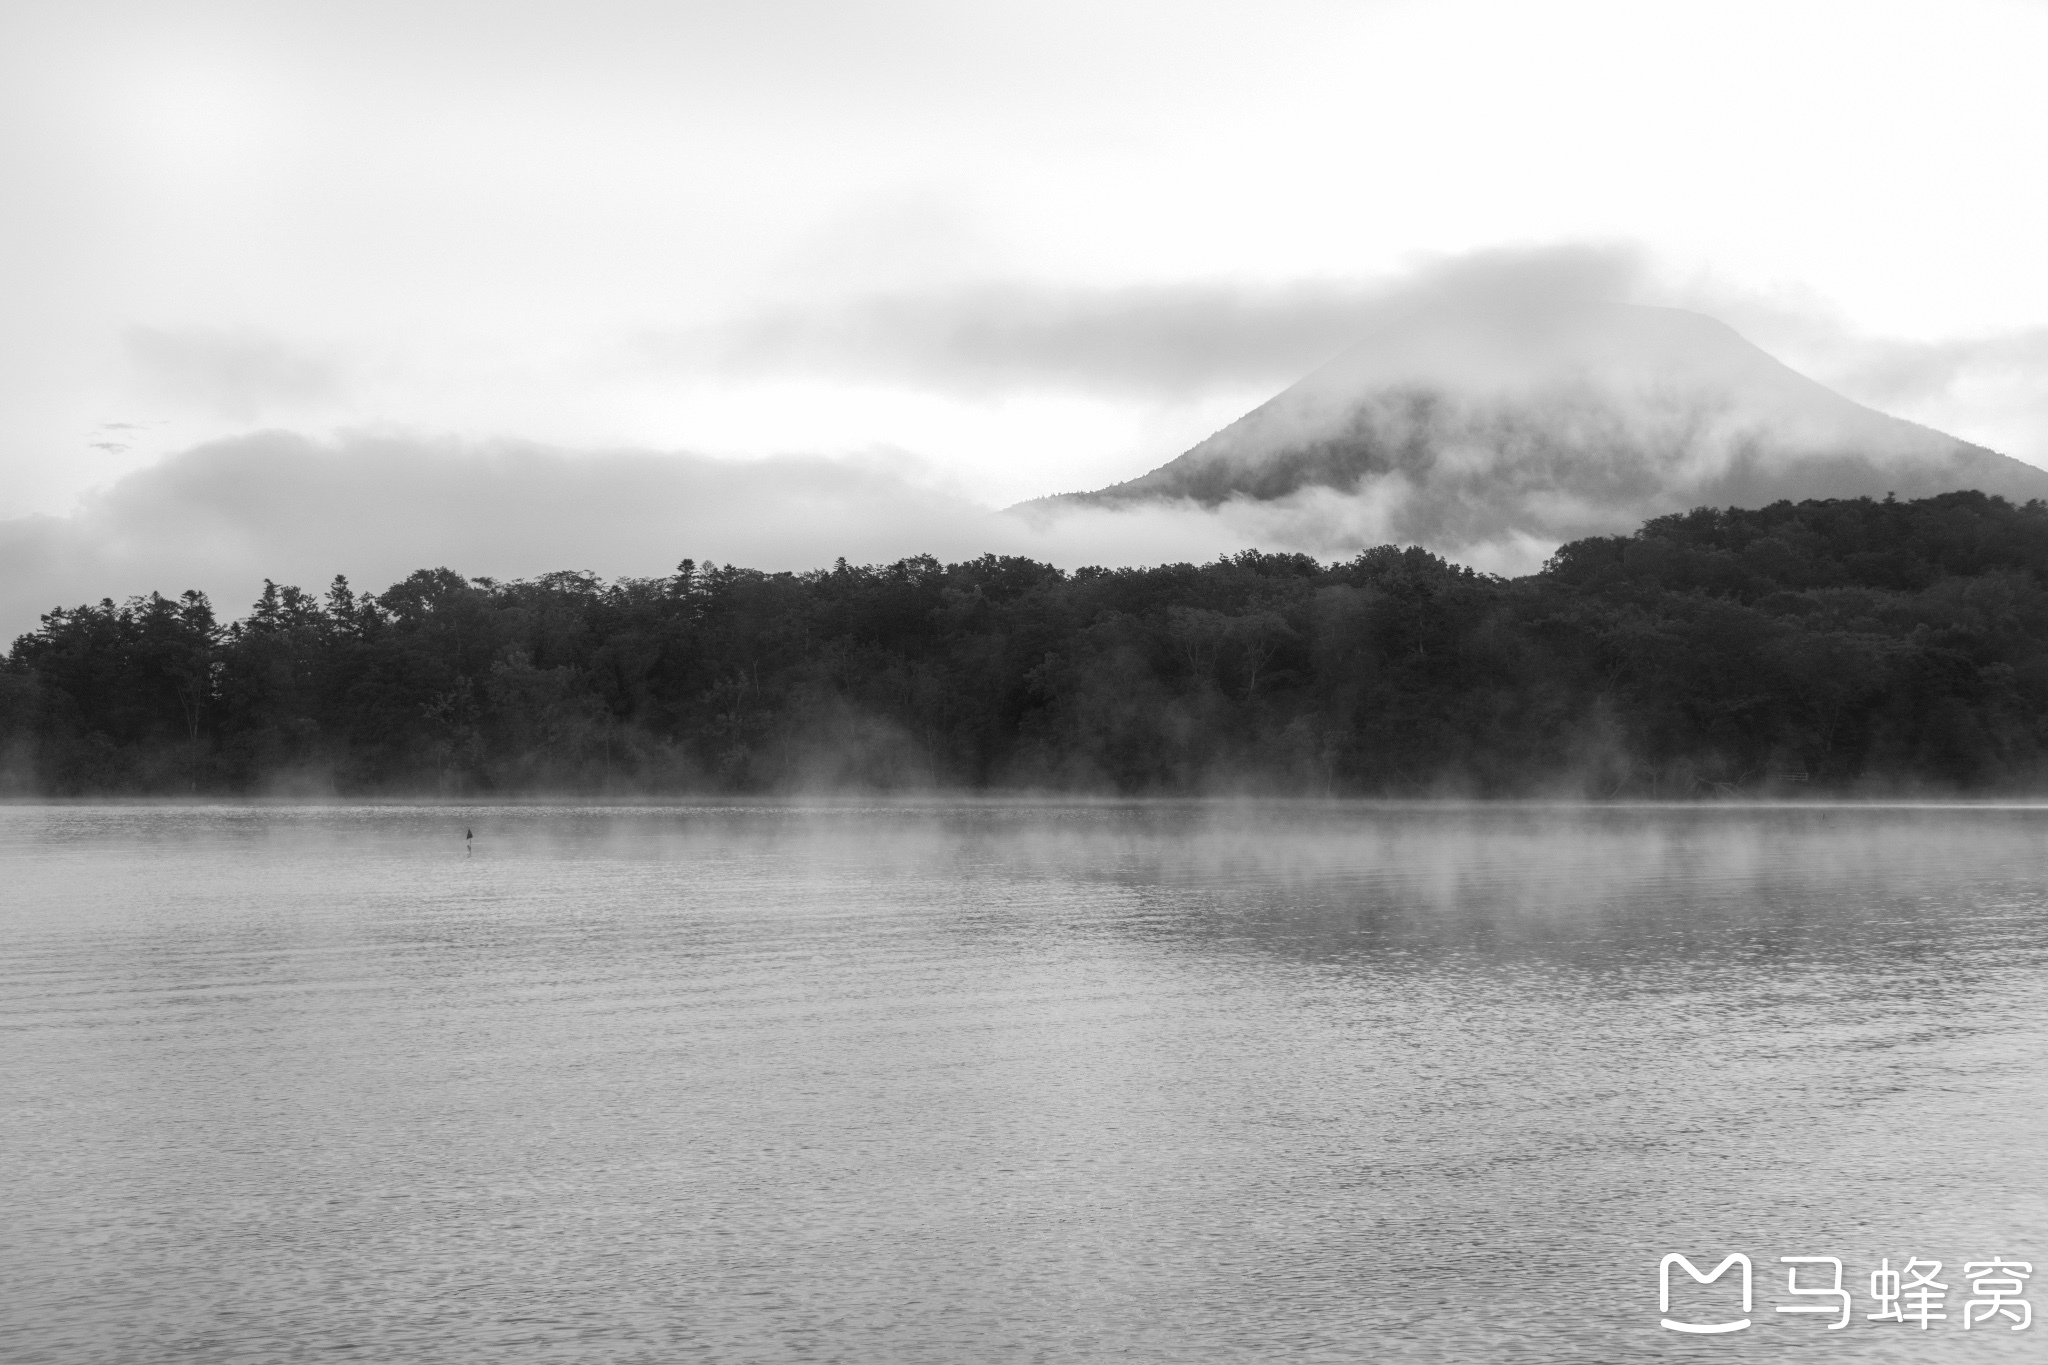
(1851, 646)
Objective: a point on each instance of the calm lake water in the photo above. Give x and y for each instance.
(950, 1084)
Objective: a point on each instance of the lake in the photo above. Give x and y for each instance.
(963, 1082)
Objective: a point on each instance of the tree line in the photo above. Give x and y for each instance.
(1843, 646)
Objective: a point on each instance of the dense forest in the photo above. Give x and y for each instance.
(1845, 646)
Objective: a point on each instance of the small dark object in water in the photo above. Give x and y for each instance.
(467, 835)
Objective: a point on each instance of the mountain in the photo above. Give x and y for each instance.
(1462, 424)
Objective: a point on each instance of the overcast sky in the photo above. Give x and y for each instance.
(1016, 248)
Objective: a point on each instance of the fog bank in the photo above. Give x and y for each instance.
(224, 516)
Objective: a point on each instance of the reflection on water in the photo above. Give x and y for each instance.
(1166, 1083)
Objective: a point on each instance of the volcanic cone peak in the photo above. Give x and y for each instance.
(1470, 422)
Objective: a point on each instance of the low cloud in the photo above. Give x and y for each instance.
(1163, 342)
(223, 516)
(989, 339)
(242, 376)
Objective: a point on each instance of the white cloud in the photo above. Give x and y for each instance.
(1153, 341)
(243, 376)
(224, 516)
(936, 204)
(992, 338)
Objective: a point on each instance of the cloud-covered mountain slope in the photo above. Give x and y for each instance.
(1465, 424)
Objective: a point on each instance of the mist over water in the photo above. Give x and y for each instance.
(1152, 1081)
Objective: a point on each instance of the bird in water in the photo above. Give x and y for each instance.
(468, 834)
